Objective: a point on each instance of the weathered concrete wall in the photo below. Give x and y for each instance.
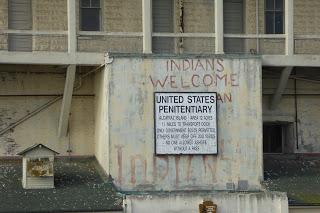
(133, 164)
(262, 202)
(21, 93)
(198, 17)
(49, 15)
(308, 104)
(306, 19)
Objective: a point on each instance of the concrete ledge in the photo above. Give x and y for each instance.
(56, 58)
(262, 202)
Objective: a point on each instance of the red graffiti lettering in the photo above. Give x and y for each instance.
(158, 82)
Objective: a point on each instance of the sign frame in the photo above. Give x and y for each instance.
(155, 126)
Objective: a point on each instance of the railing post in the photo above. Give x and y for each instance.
(289, 27)
(218, 13)
(72, 28)
(147, 25)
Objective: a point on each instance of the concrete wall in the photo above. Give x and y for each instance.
(263, 202)
(133, 164)
(307, 16)
(101, 111)
(198, 18)
(21, 93)
(50, 15)
(308, 113)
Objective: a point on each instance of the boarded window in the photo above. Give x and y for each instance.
(233, 23)
(19, 18)
(90, 12)
(274, 20)
(162, 17)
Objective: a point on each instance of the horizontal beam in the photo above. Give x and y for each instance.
(81, 58)
(185, 35)
(120, 34)
(51, 58)
(139, 34)
(294, 60)
(34, 32)
(266, 36)
(306, 37)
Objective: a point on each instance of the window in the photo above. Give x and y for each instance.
(274, 16)
(90, 15)
(272, 138)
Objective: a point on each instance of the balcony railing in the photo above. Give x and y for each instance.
(265, 44)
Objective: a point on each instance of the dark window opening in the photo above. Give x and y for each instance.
(274, 20)
(90, 15)
(272, 138)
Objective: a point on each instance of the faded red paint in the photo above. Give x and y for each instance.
(143, 162)
(196, 80)
(176, 161)
(155, 168)
(160, 174)
(119, 157)
(189, 160)
(209, 167)
(195, 65)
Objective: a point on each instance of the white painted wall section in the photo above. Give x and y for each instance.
(66, 101)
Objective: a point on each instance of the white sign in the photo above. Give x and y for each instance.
(185, 123)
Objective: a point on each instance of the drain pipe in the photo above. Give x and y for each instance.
(46, 105)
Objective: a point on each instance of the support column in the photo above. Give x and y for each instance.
(281, 87)
(72, 28)
(66, 101)
(289, 27)
(147, 25)
(218, 13)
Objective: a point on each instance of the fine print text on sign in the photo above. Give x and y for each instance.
(185, 123)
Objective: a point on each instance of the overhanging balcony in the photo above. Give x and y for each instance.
(72, 46)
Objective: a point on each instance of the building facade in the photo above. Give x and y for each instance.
(58, 82)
